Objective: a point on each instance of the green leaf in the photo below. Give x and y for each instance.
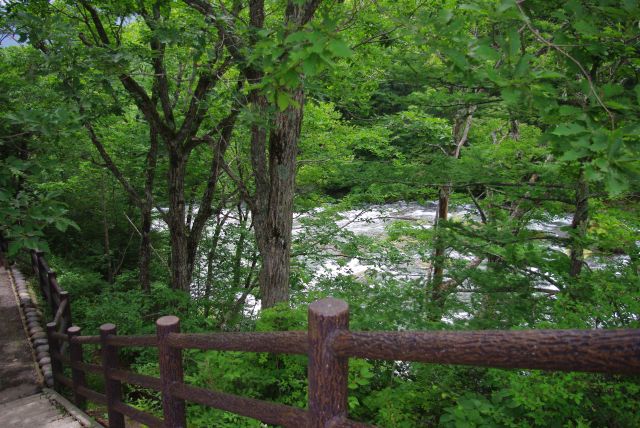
(572, 155)
(514, 43)
(339, 48)
(615, 183)
(511, 95)
(282, 100)
(297, 37)
(591, 173)
(457, 58)
(612, 89)
(546, 74)
(630, 5)
(615, 148)
(486, 52)
(471, 6)
(566, 110)
(568, 129)
(312, 65)
(445, 16)
(524, 65)
(585, 28)
(505, 5)
(495, 77)
(599, 144)
(617, 105)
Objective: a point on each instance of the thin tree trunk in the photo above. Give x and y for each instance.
(210, 257)
(144, 264)
(460, 133)
(106, 240)
(514, 129)
(249, 284)
(192, 203)
(440, 246)
(237, 259)
(579, 225)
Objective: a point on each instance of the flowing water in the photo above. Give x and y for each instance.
(373, 221)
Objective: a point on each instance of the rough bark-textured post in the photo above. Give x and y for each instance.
(75, 355)
(34, 263)
(328, 374)
(170, 372)
(66, 314)
(113, 388)
(42, 275)
(54, 347)
(51, 278)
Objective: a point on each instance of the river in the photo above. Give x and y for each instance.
(373, 222)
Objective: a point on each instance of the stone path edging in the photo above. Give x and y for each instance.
(32, 320)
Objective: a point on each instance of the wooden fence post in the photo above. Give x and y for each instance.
(170, 372)
(34, 263)
(42, 275)
(54, 348)
(51, 278)
(66, 314)
(75, 355)
(328, 374)
(113, 388)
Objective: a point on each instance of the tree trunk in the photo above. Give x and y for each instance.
(440, 246)
(274, 218)
(179, 265)
(144, 264)
(460, 132)
(237, 259)
(274, 168)
(210, 257)
(144, 252)
(105, 229)
(579, 225)
(514, 129)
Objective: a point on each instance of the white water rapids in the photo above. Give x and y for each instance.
(373, 221)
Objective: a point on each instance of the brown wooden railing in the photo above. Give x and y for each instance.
(329, 344)
(57, 299)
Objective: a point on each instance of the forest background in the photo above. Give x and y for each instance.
(210, 159)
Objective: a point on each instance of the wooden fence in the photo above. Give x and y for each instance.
(328, 343)
(56, 297)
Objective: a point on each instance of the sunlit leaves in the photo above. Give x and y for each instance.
(25, 213)
(287, 57)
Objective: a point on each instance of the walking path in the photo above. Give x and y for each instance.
(23, 401)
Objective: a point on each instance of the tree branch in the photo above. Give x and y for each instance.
(204, 211)
(197, 108)
(109, 164)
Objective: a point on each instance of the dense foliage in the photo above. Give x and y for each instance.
(437, 164)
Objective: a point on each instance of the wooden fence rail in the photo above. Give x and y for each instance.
(57, 298)
(328, 343)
